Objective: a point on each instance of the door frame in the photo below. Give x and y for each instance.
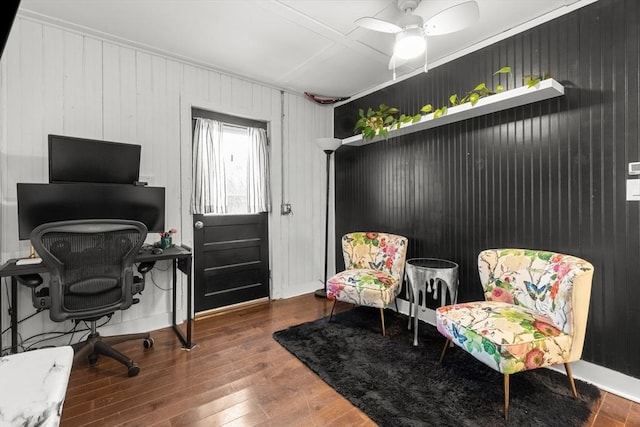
(186, 176)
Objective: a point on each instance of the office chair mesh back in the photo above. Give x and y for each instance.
(91, 265)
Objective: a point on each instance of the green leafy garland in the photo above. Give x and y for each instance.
(379, 122)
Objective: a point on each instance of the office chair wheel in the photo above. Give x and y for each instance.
(93, 360)
(148, 343)
(133, 370)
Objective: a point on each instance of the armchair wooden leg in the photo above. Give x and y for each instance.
(506, 396)
(384, 333)
(573, 384)
(333, 307)
(444, 349)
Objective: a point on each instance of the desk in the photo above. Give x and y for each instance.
(35, 386)
(182, 259)
(432, 272)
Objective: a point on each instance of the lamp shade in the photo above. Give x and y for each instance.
(328, 144)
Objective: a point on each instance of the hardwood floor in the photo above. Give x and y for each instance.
(237, 375)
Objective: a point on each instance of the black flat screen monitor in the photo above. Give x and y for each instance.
(90, 160)
(42, 203)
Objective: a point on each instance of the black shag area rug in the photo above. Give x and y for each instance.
(397, 384)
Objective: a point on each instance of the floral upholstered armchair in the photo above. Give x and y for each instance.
(374, 267)
(535, 313)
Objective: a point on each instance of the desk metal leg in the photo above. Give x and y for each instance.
(189, 307)
(185, 266)
(174, 291)
(14, 315)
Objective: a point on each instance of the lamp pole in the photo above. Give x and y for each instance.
(328, 145)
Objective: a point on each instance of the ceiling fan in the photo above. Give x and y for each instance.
(411, 31)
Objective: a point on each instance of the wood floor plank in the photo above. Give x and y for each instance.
(615, 407)
(237, 375)
(633, 418)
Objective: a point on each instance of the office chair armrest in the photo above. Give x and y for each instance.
(30, 280)
(40, 298)
(139, 282)
(145, 267)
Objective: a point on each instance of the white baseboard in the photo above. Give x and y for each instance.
(301, 289)
(143, 324)
(604, 378)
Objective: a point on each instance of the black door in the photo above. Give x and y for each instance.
(231, 259)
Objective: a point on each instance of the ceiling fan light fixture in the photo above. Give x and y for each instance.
(410, 43)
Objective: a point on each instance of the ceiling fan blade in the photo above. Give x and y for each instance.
(376, 24)
(452, 19)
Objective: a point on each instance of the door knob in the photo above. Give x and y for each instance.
(198, 225)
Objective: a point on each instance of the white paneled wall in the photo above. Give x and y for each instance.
(57, 81)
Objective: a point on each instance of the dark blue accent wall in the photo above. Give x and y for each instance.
(549, 175)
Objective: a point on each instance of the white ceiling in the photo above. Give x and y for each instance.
(297, 45)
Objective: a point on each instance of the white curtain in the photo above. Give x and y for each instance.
(258, 194)
(209, 194)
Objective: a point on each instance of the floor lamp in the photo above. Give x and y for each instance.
(328, 145)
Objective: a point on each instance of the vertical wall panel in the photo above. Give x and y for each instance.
(548, 175)
(144, 116)
(72, 85)
(111, 106)
(127, 95)
(53, 80)
(214, 88)
(92, 87)
(30, 108)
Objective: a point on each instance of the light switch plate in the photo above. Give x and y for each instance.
(633, 190)
(634, 168)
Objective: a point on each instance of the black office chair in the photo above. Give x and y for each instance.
(91, 267)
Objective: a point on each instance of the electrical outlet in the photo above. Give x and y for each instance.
(285, 209)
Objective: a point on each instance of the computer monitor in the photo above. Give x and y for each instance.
(90, 160)
(42, 203)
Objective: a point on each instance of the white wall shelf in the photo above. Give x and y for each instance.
(546, 89)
